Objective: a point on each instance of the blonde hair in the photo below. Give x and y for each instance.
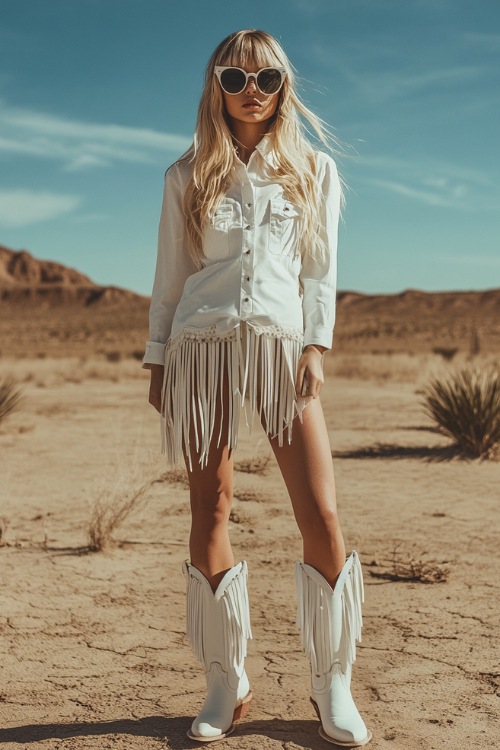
(212, 151)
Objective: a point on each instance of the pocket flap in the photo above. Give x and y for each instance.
(283, 209)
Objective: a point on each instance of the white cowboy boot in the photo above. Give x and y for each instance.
(330, 622)
(218, 626)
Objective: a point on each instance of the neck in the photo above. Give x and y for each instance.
(246, 136)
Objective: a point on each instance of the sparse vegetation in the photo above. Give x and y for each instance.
(447, 353)
(410, 569)
(255, 465)
(3, 530)
(10, 397)
(107, 516)
(465, 406)
(113, 356)
(475, 345)
(174, 476)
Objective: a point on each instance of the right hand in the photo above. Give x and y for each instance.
(155, 386)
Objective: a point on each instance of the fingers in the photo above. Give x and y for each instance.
(155, 399)
(301, 368)
(309, 376)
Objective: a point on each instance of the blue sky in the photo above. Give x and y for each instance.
(98, 97)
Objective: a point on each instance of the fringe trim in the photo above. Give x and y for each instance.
(205, 610)
(319, 619)
(195, 363)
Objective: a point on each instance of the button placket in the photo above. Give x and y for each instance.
(248, 242)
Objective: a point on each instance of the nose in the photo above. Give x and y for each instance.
(251, 84)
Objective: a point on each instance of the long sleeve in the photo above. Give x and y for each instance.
(173, 266)
(319, 278)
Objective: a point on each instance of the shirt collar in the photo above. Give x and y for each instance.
(264, 147)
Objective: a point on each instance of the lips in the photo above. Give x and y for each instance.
(252, 103)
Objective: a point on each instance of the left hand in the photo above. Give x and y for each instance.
(310, 371)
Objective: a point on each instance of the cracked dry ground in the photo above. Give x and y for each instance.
(93, 653)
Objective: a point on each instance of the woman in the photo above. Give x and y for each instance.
(242, 312)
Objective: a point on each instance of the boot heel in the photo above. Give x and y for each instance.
(242, 710)
(315, 707)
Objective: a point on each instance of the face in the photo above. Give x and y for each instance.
(251, 105)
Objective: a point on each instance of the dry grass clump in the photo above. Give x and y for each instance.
(10, 397)
(466, 407)
(174, 476)
(447, 352)
(251, 495)
(411, 569)
(107, 516)
(254, 465)
(3, 531)
(50, 372)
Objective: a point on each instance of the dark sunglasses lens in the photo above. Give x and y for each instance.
(269, 80)
(232, 80)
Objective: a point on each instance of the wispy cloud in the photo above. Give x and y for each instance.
(78, 144)
(427, 181)
(18, 208)
(484, 41)
(436, 197)
(381, 83)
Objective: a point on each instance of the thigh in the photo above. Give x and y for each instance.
(212, 482)
(306, 464)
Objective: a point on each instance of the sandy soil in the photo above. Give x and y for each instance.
(92, 648)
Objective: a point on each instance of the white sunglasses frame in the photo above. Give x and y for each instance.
(219, 69)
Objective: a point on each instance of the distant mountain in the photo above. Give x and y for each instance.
(25, 279)
(52, 310)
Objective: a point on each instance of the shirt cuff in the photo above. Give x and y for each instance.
(322, 336)
(155, 354)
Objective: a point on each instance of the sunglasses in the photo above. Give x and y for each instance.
(234, 80)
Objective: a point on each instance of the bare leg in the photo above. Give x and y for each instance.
(307, 469)
(211, 497)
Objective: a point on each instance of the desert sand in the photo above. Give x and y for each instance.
(93, 651)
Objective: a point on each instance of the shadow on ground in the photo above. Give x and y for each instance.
(172, 730)
(429, 453)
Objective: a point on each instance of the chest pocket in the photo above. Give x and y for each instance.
(284, 218)
(219, 234)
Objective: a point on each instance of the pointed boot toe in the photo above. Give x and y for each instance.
(218, 627)
(330, 622)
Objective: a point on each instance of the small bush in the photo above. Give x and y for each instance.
(113, 356)
(447, 353)
(466, 408)
(256, 465)
(106, 517)
(10, 397)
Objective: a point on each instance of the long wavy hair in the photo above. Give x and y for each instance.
(212, 151)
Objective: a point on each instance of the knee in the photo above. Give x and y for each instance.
(321, 521)
(210, 510)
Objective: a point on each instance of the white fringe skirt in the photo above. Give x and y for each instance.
(251, 368)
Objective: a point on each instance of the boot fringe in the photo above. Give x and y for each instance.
(236, 623)
(315, 614)
(195, 364)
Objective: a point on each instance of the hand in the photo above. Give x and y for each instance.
(155, 386)
(310, 372)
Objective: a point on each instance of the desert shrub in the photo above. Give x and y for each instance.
(10, 397)
(256, 465)
(475, 344)
(107, 516)
(466, 407)
(411, 569)
(137, 354)
(447, 353)
(113, 356)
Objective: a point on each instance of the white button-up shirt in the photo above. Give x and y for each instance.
(252, 270)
